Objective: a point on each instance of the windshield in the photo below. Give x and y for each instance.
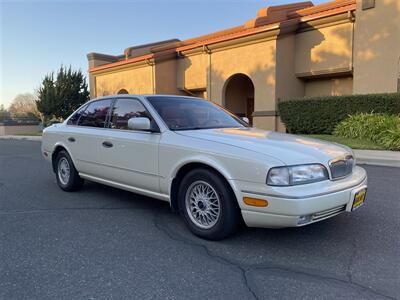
(181, 113)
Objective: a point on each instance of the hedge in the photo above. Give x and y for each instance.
(20, 121)
(315, 115)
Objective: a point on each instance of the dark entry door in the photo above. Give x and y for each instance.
(250, 109)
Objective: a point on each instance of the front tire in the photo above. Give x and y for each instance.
(208, 205)
(67, 176)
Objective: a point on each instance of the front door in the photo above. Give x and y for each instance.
(130, 157)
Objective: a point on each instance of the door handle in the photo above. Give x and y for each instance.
(71, 139)
(107, 144)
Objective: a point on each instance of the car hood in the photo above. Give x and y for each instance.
(288, 148)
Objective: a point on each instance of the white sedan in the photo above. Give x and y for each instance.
(207, 163)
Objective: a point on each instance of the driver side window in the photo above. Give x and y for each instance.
(123, 110)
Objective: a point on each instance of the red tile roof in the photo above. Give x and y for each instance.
(267, 19)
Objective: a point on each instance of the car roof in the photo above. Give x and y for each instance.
(142, 96)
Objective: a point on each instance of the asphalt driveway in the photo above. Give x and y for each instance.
(103, 243)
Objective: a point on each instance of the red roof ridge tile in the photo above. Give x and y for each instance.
(322, 7)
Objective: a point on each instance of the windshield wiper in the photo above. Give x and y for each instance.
(190, 128)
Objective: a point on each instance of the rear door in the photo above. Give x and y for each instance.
(130, 156)
(84, 135)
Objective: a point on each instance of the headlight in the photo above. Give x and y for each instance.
(294, 175)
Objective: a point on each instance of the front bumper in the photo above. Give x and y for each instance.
(299, 205)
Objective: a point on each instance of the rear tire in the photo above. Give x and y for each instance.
(208, 205)
(67, 176)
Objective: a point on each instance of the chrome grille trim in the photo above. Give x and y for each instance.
(328, 213)
(341, 167)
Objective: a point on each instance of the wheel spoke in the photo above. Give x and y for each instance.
(63, 171)
(203, 204)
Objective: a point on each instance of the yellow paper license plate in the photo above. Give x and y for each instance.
(359, 199)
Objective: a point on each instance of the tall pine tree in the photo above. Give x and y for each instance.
(58, 97)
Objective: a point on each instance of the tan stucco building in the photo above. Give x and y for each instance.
(294, 50)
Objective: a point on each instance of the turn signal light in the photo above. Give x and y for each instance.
(255, 202)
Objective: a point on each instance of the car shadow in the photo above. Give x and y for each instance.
(120, 199)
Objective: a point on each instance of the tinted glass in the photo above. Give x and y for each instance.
(180, 113)
(95, 114)
(75, 117)
(124, 109)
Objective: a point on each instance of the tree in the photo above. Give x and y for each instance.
(24, 106)
(59, 97)
(46, 102)
(4, 113)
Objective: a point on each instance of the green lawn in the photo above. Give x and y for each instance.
(352, 143)
(30, 134)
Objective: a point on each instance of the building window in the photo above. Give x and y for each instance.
(367, 4)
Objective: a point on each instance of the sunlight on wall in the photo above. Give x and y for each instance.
(366, 54)
(138, 80)
(377, 47)
(192, 71)
(324, 49)
(336, 42)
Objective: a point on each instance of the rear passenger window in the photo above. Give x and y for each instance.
(124, 109)
(95, 114)
(75, 117)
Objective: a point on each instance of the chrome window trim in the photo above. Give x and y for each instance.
(105, 128)
(113, 99)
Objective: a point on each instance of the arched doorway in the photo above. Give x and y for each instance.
(122, 91)
(239, 96)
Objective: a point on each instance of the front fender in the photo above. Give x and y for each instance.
(166, 181)
(203, 159)
(166, 184)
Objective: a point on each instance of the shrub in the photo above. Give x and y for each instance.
(391, 139)
(382, 129)
(322, 114)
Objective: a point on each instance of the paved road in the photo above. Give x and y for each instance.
(104, 243)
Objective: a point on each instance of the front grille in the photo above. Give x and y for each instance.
(341, 167)
(328, 213)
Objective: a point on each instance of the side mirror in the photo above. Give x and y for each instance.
(246, 119)
(140, 123)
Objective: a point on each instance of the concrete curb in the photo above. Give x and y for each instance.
(367, 157)
(378, 157)
(21, 137)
